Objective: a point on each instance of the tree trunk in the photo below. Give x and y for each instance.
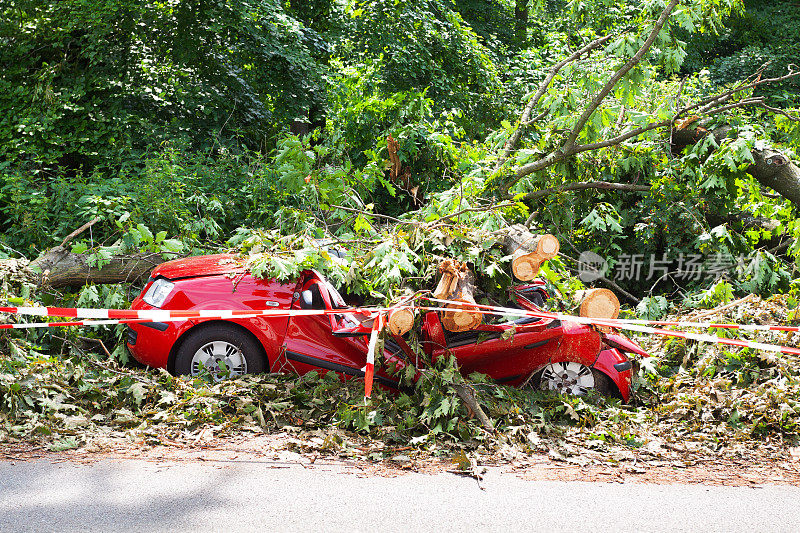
(458, 284)
(59, 268)
(529, 251)
(771, 168)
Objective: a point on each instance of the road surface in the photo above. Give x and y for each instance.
(259, 495)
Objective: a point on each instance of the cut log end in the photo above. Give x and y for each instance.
(461, 319)
(526, 267)
(457, 284)
(598, 303)
(529, 251)
(401, 320)
(548, 246)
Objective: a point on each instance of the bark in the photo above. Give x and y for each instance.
(399, 176)
(776, 171)
(458, 284)
(394, 171)
(582, 186)
(58, 267)
(771, 168)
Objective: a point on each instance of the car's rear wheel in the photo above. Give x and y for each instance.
(222, 350)
(573, 378)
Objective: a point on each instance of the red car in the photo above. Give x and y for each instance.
(541, 352)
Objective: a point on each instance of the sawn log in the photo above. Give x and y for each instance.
(529, 251)
(458, 284)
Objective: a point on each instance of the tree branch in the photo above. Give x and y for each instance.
(709, 103)
(568, 146)
(620, 138)
(525, 119)
(780, 112)
(605, 185)
(707, 106)
(618, 75)
(378, 215)
(79, 231)
(476, 210)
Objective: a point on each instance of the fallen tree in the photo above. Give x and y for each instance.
(771, 169)
(60, 267)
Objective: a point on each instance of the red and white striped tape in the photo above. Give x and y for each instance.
(163, 315)
(369, 370)
(31, 325)
(716, 325)
(120, 316)
(614, 323)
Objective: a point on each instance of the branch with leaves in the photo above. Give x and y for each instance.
(568, 145)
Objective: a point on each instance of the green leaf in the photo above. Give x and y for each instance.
(79, 248)
(144, 231)
(138, 391)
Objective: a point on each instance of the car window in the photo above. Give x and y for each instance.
(336, 299)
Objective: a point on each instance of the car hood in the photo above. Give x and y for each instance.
(201, 265)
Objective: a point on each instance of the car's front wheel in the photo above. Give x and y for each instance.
(572, 378)
(221, 349)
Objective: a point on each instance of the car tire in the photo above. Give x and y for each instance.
(208, 346)
(573, 379)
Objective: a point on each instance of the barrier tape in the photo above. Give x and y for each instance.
(613, 323)
(718, 325)
(30, 325)
(369, 370)
(163, 315)
(123, 316)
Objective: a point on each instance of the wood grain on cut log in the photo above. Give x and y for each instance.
(529, 251)
(597, 303)
(401, 320)
(458, 284)
(60, 268)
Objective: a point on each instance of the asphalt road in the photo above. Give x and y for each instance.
(134, 495)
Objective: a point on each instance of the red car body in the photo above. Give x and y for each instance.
(337, 342)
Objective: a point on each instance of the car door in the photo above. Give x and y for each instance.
(310, 344)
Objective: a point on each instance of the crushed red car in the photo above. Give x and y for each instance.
(538, 352)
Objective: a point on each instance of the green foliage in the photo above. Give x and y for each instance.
(116, 76)
(426, 45)
(764, 33)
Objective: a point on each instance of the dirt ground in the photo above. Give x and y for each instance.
(282, 451)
